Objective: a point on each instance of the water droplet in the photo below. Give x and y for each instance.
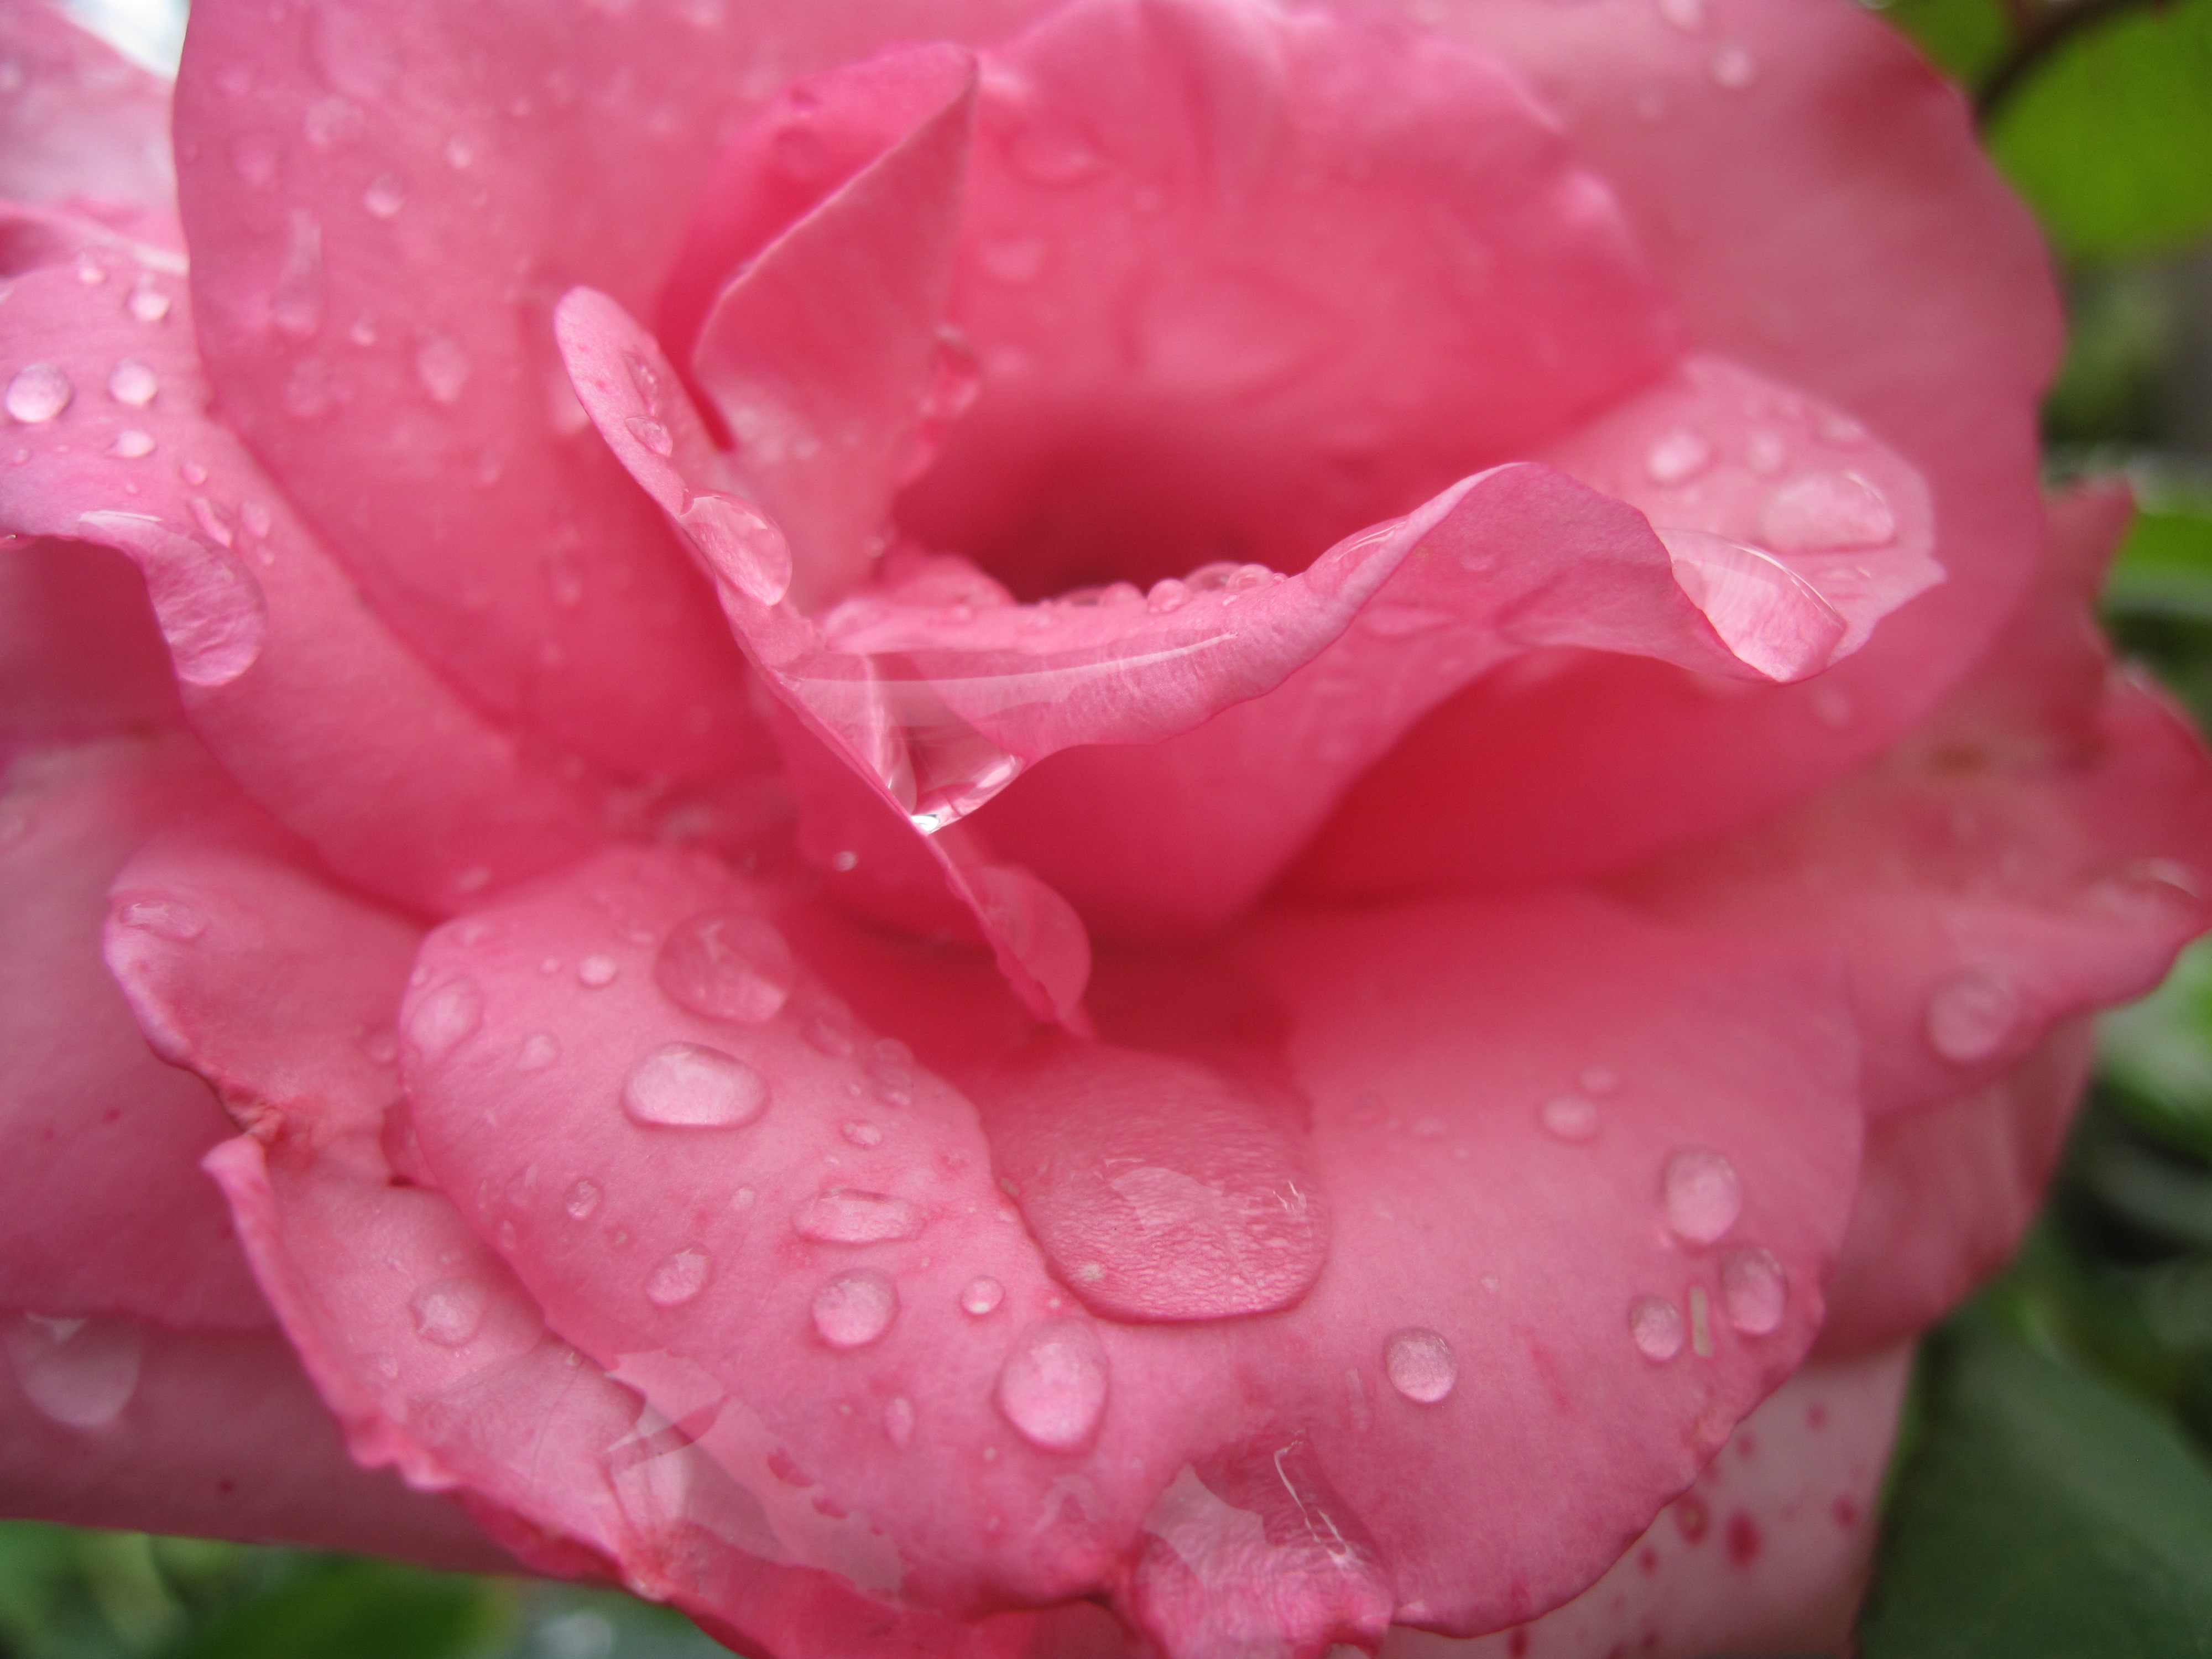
(165, 918)
(2148, 892)
(726, 965)
(296, 308)
(826, 1037)
(654, 435)
(863, 1135)
(131, 444)
(1684, 13)
(1570, 1117)
(441, 1020)
(1678, 457)
(80, 1373)
(744, 548)
(981, 1296)
(539, 1051)
(844, 1217)
(132, 383)
(1826, 512)
(1014, 259)
(855, 1308)
(1050, 157)
(385, 197)
(581, 1198)
(209, 517)
(898, 1422)
(146, 302)
(443, 366)
(1733, 67)
(1654, 1325)
(1169, 593)
(1754, 1290)
(38, 393)
(1702, 1194)
(1970, 1017)
(679, 1277)
(449, 1313)
(596, 973)
(1420, 1364)
(1053, 1386)
(688, 1085)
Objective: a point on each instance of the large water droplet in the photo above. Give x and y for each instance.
(688, 1085)
(38, 392)
(1053, 1386)
(1970, 1017)
(1568, 1117)
(726, 965)
(581, 1199)
(844, 1216)
(385, 197)
(449, 1313)
(130, 382)
(855, 1308)
(981, 1295)
(1754, 1290)
(442, 1020)
(171, 919)
(1826, 512)
(80, 1373)
(443, 366)
(1702, 1194)
(1678, 457)
(1420, 1364)
(296, 308)
(746, 549)
(678, 1277)
(1654, 1325)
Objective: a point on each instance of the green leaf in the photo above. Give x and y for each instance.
(2165, 566)
(2111, 139)
(2043, 1512)
(1965, 38)
(338, 1608)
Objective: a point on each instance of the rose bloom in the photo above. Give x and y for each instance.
(977, 828)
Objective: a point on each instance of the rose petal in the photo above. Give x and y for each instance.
(80, 655)
(323, 718)
(80, 125)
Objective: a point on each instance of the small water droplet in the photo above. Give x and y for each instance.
(898, 1422)
(209, 517)
(1970, 1017)
(1702, 1194)
(146, 302)
(844, 1216)
(856, 1308)
(1826, 512)
(1654, 1325)
(596, 973)
(449, 1313)
(131, 444)
(165, 918)
(443, 366)
(726, 965)
(1568, 1117)
(1169, 593)
(1420, 1366)
(688, 1085)
(1733, 66)
(441, 1020)
(1681, 455)
(863, 1135)
(678, 1277)
(385, 197)
(654, 435)
(981, 1295)
(1754, 1290)
(826, 1037)
(132, 383)
(581, 1198)
(539, 1051)
(744, 548)
(296, 308)
(38, 393)
(1053, 1386)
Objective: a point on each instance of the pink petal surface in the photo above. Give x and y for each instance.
(103, 1210)
(80, 126)
(764, 1223)
(80, 655)
(1870, 258)
(1768, 1553)
(375, 303)
(320, 714)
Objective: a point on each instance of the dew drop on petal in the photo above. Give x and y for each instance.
(38, 392)
(132, 444)
(385, 197)
(296, 308)
(1970, 1017)
(78, 1372)
(1733, 66)
(442, 1020)
(678, 1277)
(898, 1422)
(1420, 1364)
(1754, 1290)
(1053, 1386)
(1568, 1117)
(1826, 512)
(981, 1296)
(146, 302)
(854, 1309)
(1702, 1194)
(450, 1312)
(132, 383)
(726, 965)
(165, 918)
(863, 1135)
(1679, 456)
(443, 366)
(743, 547)
(596, 973)
(581, 1198)
(841, 1216)
(1654, 1325)
(539, 1051)
(688, 1085)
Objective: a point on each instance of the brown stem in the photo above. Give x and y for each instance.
(2039, 30)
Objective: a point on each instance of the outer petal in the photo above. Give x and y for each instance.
(80, 125)
(315, 708)
(1872, 257)
(80, 655)
(103, 1210)
(375, 308)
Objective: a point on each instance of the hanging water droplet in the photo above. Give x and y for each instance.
(1568, 1117)
(1733, 66)
(1702, 1194)
(38, 392)
(131, 444)
(744, 548)
(449, 1313)
(1654, 1325)
(538, 1052)
(1826, 512)
(679, 1277)
(443, 366)
(170, 919)
(1678, 457)
(296, 308)
(146, 302)
(81, 1373)
(442, 1020)
(385, 197)
(130, 382)
(856, 1308)
(726, 965)
(1420, 1364)
(898, 1422)
(1754, 1290)
(844, 1216)
(581, 1198)
(981, 1295)
(1053, 1386)
(596, 973)
(1970, 1017)
(691, 1086)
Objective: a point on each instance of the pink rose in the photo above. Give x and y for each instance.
(1004, 829)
